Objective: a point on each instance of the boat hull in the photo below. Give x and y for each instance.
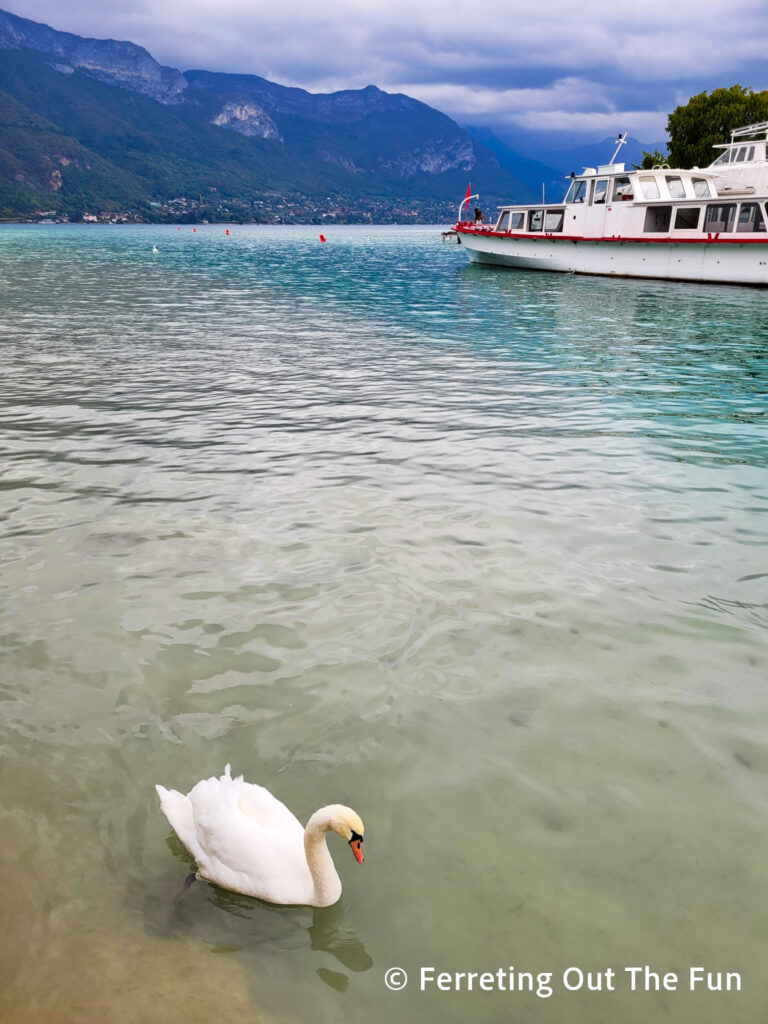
(706, 262)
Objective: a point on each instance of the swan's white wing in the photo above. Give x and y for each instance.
(263, 862)
(266, 810)
(178, 810)
(243, 838)
(255, 802)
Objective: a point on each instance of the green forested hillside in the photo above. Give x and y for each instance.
(73, 144)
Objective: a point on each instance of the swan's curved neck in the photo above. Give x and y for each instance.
(319, 861)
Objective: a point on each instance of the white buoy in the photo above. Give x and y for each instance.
(155, 249)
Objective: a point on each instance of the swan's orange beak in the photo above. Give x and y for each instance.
(357, 849)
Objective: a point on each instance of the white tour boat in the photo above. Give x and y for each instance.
(685, 225)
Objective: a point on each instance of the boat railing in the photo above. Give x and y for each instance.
(476, 225)
(749, 129)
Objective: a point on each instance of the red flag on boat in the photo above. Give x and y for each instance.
(466, 200)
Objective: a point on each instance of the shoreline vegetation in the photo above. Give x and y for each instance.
(281, 210)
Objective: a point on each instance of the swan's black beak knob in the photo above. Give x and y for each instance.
(356, 844)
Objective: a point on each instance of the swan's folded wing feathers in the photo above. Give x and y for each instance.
(242, 838)
(264, 809)
(261, 858)
(178, 810)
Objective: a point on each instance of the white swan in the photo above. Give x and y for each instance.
(244, 839)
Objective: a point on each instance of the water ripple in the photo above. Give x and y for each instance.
(480, 553)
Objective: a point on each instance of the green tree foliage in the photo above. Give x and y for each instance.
(707, 119)
(652, 159)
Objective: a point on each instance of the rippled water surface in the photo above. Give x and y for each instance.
(483, 554)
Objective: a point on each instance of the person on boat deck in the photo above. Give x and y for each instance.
(478, 215)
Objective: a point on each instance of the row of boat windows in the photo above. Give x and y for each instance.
(620, 189)
(741, 155)
(537, 220)
(718, 218)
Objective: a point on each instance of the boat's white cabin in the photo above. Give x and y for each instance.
(611, 201)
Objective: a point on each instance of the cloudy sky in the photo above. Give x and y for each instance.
(586, 67)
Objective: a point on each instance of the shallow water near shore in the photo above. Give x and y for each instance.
(483, 554)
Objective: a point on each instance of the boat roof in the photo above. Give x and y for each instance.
(611, 170)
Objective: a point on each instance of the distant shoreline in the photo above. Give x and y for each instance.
(228, 226)
(322, 225)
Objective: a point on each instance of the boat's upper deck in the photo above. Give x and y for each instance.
(611, 202)
(613, 183)
(742, 167)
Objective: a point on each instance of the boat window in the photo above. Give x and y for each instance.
(719, 217)
(742, 152)
(751, 154)
(503, 224)
(675, 186)
(724, 158)
(701, 188)
(517, 221)
(649, 186)
(687, 218)
(622, 189)
(553, 220)
(601, 187)
(658, 218)
(750, 218)
(535, 220)
(577, 193)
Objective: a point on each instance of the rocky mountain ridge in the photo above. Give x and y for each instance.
(122, 63)
(199, 133)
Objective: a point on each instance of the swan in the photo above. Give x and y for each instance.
(246, 840)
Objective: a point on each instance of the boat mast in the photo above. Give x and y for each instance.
(620, 141)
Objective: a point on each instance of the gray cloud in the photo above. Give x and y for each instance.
(588, 68)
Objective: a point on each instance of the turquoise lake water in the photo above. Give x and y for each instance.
(481, 553)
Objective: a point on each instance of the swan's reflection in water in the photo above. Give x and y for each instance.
(329, 932)
(231, 923)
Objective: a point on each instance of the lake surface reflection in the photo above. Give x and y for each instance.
(483, 554)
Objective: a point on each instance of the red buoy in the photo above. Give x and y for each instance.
(194, 229)
(322, 238)
(227, 230)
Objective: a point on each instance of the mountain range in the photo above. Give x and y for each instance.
(98, 128)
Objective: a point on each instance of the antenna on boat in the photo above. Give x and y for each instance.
(620, 141)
